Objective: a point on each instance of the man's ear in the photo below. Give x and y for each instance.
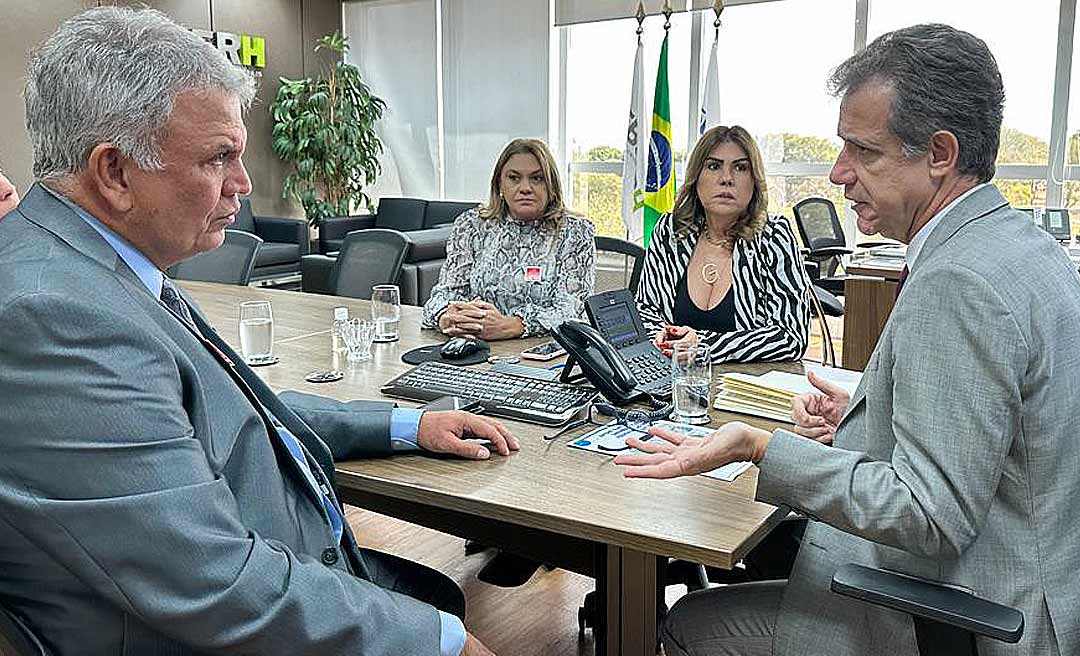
(109, 174)
(943, 153)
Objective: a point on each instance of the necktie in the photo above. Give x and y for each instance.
(902, 280)
(170, 296)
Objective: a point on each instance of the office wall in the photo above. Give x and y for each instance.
(289, 26)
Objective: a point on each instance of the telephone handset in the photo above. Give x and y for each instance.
(598, 360)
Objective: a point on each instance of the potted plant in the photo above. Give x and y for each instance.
(325, 127)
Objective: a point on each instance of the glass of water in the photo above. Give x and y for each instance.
(386, 312)
(257, 332)
(691, 377)
(358, 335)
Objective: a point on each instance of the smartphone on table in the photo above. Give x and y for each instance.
(454, 403)
(543, 352)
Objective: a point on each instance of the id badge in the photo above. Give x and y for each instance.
(534, 274)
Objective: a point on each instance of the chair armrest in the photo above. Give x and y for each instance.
(931, 601)
(830, 304)
(283, 230)
(428, 244)
(315, 273)
(829, 251)
(813, 269)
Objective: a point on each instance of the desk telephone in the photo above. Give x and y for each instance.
(615, 353)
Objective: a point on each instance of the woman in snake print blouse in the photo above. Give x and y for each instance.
(520, 265)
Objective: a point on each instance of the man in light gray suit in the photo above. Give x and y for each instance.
(956, 458)
(155, 496)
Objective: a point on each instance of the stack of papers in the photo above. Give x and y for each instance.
(770, 395)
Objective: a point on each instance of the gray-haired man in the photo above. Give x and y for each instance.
(956, 459)
(156, 497)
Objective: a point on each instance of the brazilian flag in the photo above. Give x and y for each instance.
(660, 172)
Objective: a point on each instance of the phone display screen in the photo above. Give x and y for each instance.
(616, 324)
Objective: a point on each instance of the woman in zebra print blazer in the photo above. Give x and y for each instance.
(718, 269)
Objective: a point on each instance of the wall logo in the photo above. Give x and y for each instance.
(241, 49)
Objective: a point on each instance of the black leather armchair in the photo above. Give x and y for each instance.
(285, 241)
(947, 620)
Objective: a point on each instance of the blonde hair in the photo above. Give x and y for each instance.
(497, 206)
(689, 213)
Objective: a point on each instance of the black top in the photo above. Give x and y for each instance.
(720, 319)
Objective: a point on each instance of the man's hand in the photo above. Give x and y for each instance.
(666, 339)
(474, 647)
(817, 415)
(682, 455)
(446, 432)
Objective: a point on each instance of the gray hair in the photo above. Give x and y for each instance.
(112, 75)
(942, 79)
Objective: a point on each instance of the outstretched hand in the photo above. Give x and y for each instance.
(675, 454)
(448, 431)
(817, 415)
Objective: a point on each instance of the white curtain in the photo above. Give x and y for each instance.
(393, 44)
(568, 12)
(495, 85)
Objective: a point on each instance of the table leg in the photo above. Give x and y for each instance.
(628, 603)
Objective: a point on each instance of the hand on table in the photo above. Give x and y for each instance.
(676, 454)
(480, 319)
(447, 431)
(817, 415)
(666, 338)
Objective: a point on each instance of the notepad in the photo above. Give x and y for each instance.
(770, 395)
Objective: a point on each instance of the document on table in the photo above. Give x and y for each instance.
(770, 395)
(610, 439)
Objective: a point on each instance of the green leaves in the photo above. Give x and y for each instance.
(325, 127)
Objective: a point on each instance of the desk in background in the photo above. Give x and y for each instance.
(557, 505)
(869, 294)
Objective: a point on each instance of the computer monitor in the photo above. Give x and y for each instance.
(1053, 220)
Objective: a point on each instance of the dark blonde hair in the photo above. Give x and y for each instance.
(555, 209)
(689, 213)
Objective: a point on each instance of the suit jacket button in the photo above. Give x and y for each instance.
(329, 556)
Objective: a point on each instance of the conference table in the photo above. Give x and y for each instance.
(561, 506)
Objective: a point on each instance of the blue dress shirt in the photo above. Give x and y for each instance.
(404, 422)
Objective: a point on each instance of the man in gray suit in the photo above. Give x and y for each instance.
(155, 496)
(956, 458)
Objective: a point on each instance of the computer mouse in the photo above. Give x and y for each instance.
(457, 348)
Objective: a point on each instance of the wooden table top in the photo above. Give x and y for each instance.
(546, 485)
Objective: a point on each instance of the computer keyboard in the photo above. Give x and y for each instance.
(501, 395)
(652, 371)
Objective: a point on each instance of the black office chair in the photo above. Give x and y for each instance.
(229, 263)
(16, 639)
(368, 258)
(946, 620)
(630, 258)
(823, 236)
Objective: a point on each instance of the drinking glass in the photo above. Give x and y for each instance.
(386, 312)
(256, 332)
(691, 377)
(358, 335)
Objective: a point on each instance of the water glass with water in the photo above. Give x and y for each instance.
(358, 334)
(691, 377)
(386, 312)
(256, 332)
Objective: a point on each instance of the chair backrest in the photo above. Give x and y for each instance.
(16, 639)
(618, 264)
(439, 212)
(819, 225)
(368, 258)
(244, 219)
(402, 214)
(229, 263)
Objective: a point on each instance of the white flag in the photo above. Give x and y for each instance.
(710, 106)
(633, 178)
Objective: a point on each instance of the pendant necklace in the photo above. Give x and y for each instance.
(710, 273)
